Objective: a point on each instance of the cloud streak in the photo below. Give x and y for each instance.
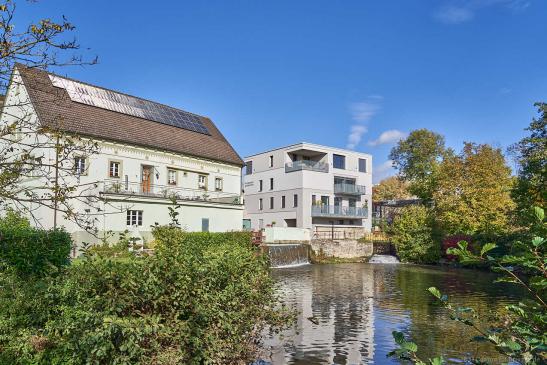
(458, 12)
(382, 171)
(361, 113)
(390, 136)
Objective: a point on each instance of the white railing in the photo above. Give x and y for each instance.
(168, 192)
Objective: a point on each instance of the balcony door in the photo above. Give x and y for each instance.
(337, 205)
(146, 179)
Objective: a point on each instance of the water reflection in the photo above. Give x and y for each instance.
(348, 311)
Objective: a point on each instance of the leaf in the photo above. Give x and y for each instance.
(409, 346)
(435, 292)
(398, 337)
(488, 247)
(436, 361)
(538, 241)
(539, 213)
(512, 345)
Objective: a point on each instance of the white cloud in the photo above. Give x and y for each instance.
(364, 110)
(457, 12)
(390, 136)
(382, 171)
(361, 112)
(454, 14)
(355, 135)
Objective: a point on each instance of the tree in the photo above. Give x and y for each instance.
(417, 159)
(472, 192)
(531, 156)
(30, 150)
(413, 235)
(391, 188)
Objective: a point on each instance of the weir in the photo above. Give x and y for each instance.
(287, 255)
(383, 259)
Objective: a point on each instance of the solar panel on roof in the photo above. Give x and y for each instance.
(106, 99)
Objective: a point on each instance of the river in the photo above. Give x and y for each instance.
(348, 311)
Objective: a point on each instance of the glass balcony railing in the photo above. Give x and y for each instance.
(338, 211)
(306, 165)
(350, 189)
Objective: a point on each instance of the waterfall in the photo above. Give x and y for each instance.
(383, 259)
(287, 255)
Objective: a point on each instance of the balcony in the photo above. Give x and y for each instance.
(338, 211)
(136, 189)
(349, 189)
(306, 165)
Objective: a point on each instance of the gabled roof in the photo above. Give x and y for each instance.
(54, 107)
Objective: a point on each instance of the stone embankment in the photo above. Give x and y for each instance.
(342, 249)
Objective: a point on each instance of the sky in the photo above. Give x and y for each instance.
(357, 74)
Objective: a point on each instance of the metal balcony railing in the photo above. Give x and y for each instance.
(136, 189)
(338, 211)
(350, 189)
(306, 165)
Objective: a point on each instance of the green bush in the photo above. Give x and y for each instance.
(201, 298)
(32, 251)
(413, 235)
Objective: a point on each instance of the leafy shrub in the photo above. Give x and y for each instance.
(412, 234)
(452, 241)
(201, 298)
(32, 251)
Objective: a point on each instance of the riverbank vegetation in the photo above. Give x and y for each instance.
(200, 298)
(519, 333)
(469, 194)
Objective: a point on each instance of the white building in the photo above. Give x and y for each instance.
(148, 152)
(309, 186)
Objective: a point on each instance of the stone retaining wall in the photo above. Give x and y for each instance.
(344, 249)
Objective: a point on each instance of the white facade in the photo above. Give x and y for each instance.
(308, 186)
(208, 191)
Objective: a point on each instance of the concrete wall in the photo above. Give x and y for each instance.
(286, 234)
(346, 249)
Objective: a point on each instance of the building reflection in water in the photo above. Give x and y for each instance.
(336, 315)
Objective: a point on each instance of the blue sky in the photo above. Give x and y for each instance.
(356, 74)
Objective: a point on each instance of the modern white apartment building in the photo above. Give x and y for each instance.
(308, 186)
(148, 154)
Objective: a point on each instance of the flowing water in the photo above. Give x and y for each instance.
(348, 311)
(287, 255)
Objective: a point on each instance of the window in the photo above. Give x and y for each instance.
(362, 165)
(202, 182)
(205, 224)
(260, 206)
(171, 177)
(313, 199)
(114, 169)
(134, 218)
(283, 202)
(249, 168)
(218, 184)
(271, 183)
(259, 185)
(79, 165)
(341, 221)
(271, 202)
(339, 161)
(270, 161)
(295, 200)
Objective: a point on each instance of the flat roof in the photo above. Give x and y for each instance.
(312, 145)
